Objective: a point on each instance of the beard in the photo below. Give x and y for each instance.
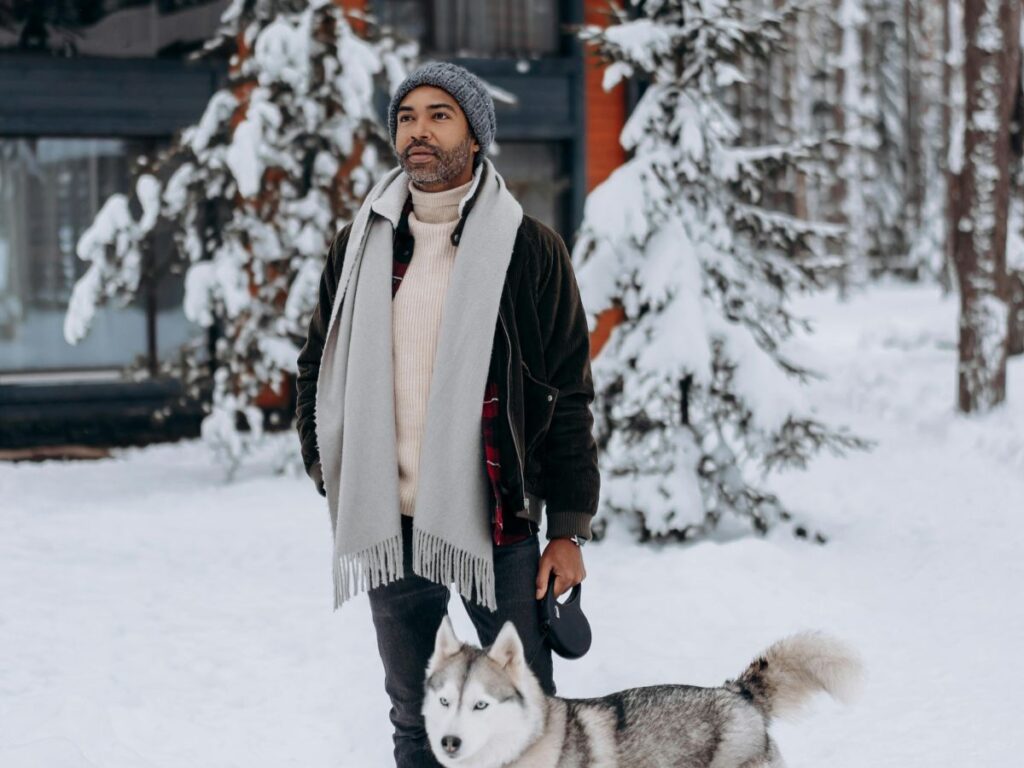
(445, 167)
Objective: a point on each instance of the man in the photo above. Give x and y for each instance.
(444, 397)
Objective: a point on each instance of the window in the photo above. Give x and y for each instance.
(527, 28)
(50, 190)
(536, 176)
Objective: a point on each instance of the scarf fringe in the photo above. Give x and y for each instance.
(371, 567)
(441, 562)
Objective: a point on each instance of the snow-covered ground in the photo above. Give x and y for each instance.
(151, 615)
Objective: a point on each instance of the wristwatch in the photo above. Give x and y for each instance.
(577, 540)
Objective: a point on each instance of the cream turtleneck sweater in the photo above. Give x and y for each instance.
(416, 323)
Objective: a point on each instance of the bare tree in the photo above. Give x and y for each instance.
(952, 123)
(991, 67)
(1015, 234)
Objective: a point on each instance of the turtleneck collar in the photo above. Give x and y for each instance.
(437, 207)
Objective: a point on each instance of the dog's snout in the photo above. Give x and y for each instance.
(451, 744)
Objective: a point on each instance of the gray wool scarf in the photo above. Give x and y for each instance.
(355, 406)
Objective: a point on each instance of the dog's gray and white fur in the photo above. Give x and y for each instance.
(485, 709)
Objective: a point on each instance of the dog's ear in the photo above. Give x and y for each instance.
(446, 644)
(507, 649)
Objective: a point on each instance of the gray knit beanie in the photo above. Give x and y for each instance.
(466, 88)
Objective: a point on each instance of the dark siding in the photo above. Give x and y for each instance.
(545, 92)
(46, 95)
(94, 413)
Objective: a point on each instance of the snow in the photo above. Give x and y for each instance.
(82, 306)
(112, 218)
(279, 353)
(147, 190)
(359, 63)
(770, 393)
(243, 157)
(615, 228)
(175, 195)
(113, 228)
(154, 616)
(200, 281)
(958, 90)
(727, 75)
(669, 482)
(673, 284)
(282, 52)
(639, 131)
(223, 280)
(1015, 236)
(220, 108)
(642, 41)
(691, 131)
(615, 73)
(302, 296)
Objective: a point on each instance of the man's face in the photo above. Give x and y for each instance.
(433, 141)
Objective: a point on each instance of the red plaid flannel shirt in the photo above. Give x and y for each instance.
(503, 531)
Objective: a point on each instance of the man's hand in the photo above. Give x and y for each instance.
(564, 558)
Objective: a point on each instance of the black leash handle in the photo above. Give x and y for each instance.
(549, 603)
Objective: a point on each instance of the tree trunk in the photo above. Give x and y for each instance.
(912, 86)
(952, 72)
(991, 30)
(1015, 260)
(1015, 337)
(837, 190)
(852, 23)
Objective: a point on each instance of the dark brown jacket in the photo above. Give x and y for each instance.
(540, 360)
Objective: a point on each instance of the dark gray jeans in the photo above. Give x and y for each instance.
(406, 615)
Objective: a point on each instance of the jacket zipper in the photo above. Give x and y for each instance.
(508, 389)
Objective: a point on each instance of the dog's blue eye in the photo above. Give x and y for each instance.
(444, 702)
(480, 705)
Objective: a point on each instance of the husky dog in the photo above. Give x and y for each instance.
(484, 708)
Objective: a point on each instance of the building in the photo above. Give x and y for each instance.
(89, 86)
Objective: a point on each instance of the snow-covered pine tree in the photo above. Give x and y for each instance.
(697, 394)
(253, 194)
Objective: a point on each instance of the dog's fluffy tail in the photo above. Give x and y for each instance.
(784, 677)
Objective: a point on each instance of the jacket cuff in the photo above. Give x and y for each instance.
(564, 524)
(316, 474)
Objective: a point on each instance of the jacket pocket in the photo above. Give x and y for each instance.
(539, 399)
